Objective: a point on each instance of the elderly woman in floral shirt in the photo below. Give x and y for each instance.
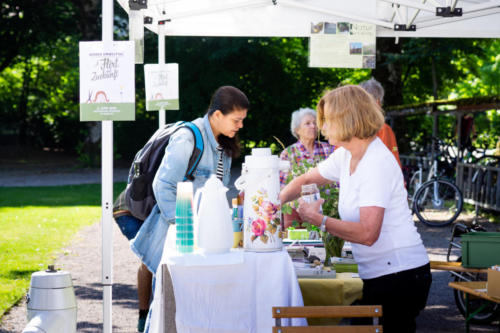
(305, 153)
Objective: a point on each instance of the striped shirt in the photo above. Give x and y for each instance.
(220, 165)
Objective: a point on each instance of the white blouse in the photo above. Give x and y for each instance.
(377, 181)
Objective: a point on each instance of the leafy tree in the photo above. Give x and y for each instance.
(39, 76)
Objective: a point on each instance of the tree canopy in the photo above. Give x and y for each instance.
(39, 77)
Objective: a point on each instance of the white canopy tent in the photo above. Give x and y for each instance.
(282, 18)
(292, 18)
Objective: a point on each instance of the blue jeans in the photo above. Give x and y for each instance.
(129, 225)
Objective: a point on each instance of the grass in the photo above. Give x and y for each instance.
(36, 223)
(490, 215)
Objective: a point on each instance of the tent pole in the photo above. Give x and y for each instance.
(107, 186)
(161, 61)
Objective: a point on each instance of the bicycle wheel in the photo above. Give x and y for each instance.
(490, 311)
(438, 203)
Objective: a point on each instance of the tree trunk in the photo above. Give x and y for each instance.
(23, 103)
(435, 117)
(388, 72)
(90, 22)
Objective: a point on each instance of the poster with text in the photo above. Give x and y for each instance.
(342, 45)
(107, 81)
(162, 86)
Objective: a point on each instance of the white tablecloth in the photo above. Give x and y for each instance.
(232, 297)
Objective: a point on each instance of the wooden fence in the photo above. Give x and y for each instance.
(412, 161)
(479, 184)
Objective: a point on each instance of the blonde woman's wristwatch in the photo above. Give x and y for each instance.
(323, 224)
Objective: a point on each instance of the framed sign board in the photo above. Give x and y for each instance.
(342, 45)
(107, 81)
(162, 86)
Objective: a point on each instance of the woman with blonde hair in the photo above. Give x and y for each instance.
(373, 207)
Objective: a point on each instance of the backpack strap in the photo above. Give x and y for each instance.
(195, 158)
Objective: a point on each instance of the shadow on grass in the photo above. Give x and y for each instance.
(20, 274)
(69, 195)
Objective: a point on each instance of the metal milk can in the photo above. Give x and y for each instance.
(51, 303)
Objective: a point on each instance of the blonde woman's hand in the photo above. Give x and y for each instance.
(308, 211)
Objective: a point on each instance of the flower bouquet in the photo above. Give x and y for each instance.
(329, 193)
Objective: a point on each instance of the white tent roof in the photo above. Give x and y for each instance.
(293, 18)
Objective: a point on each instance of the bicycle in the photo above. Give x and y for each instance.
(446, 162)
(479, 156)
(436, 202)
(483, 312)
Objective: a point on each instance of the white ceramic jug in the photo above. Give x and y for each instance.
(212, 217)
(261, 211)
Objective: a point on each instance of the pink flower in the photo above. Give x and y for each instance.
(258, 227)
(268, 209)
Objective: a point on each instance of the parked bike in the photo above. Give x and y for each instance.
(483, 311)
(438, 201)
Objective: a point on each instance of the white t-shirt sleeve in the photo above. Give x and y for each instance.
(375, 185)
(331, 167)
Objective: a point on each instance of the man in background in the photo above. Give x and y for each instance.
(386, 134)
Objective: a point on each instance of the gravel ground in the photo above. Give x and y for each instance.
(82, 260)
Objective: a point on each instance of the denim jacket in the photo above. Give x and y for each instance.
(174, 165)
(149, 241)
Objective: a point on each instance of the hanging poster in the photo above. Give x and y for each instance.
(342, 45)
(107, 81)
(162, 86)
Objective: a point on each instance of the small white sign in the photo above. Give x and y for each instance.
(107, 81)
(342, 45)
(162, 86)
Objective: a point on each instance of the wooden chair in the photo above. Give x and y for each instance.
(353, 311)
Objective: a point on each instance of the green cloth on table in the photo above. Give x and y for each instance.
(343, 290)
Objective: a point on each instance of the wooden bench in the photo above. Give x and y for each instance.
(353, 311)
(454, 266)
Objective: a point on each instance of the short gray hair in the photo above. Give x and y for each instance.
(374, 88)
(297, 117)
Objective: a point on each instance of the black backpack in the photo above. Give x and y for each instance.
(139, 195)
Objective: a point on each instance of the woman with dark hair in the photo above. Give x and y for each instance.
(219, 127)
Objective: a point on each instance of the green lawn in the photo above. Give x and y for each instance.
(36, 223)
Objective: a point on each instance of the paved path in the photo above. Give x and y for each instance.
(83, 261)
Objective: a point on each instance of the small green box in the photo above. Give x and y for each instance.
(300, 234)
(480, 249)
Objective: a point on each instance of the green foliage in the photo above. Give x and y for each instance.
(39, 78)
(330, 194)
(37, 222)
(28, 27)
(462, 68)
(480, 72)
